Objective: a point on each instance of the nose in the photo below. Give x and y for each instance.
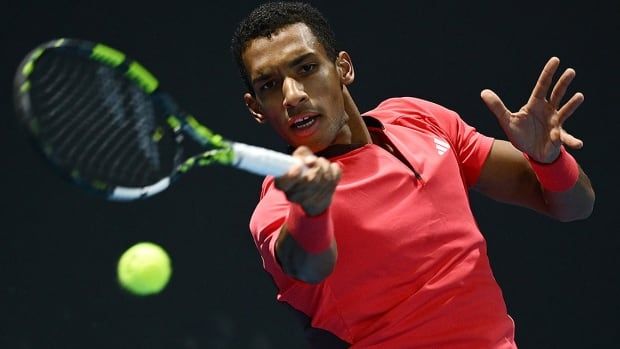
(293, 92)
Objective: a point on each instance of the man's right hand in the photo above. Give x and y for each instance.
(313, 187)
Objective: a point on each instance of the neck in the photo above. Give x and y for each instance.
(359, 131)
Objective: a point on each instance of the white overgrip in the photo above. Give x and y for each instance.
(262, 161)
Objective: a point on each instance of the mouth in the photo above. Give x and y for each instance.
(303, 121)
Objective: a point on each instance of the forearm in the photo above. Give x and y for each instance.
(306, 248)
(565, 188)
(509, 177)
(302, 265)
(573, 204)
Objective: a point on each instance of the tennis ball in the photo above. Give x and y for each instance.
(144, 269)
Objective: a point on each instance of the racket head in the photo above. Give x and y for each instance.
(100, 118)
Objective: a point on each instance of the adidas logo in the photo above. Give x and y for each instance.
(441, 145)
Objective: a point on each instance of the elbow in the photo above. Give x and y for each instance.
(312, 268)
(586, 212)
(302, 265)
(313, 276)
(316, 268)
(581, 212)
(573, 217)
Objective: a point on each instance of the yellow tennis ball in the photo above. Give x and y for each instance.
(144, 269)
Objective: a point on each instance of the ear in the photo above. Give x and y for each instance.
(254, 108)
(344, 65)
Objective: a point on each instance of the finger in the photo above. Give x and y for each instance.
(302, 151)
(334, 168)
(555, 136)
(569, 108)
(544, 80)
(324, 184)
(310, 194)
(283, 184)
(296, 170)
(286, 182)
(571, 141)
(299, 196)
(302, 189)
(321, 195)
(322, 176)
(495, 104)
(310, 161)
(324, 195)
(560, 87)
(334, 172)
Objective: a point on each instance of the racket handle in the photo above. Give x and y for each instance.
(262, 161)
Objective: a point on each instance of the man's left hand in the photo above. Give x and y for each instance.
(536, 129)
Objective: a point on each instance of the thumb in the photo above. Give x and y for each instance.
(302, 151)
(495, 104)
(306, 156)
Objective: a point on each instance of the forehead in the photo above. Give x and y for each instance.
(284, 45)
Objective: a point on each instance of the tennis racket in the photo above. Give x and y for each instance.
(102, 120)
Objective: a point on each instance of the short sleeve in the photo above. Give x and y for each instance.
(471, 147)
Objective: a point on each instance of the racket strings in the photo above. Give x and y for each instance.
(68, 119)
(109, 152)
(97, 123)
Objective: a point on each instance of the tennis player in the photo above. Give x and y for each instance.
(375, 244)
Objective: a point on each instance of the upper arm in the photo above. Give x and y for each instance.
(506, 176)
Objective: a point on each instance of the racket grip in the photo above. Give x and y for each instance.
(262, 161)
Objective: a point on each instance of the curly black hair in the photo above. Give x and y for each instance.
(268, 18)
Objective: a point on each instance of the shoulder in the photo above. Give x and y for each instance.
(270, 211)
(268, 184)
(403, 109)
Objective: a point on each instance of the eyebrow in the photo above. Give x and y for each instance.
(300, 59)
(265, 76)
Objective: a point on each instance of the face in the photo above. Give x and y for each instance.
(298, 90)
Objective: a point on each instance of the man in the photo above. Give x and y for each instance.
(372, 241)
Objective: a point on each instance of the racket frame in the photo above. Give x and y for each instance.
(250, 158)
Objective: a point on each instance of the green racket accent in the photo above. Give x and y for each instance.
(25, 87)
(220, 156)
(204, 132)
(143, 77)
(187, 165)
(107, 55)
(36, 54)
(29, 66)
(157, 135)
(224, 157)
(99, 185)
(34, 126)
(174, 123)
(59, 42)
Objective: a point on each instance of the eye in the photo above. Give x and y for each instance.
(306, 68)
(267, 85)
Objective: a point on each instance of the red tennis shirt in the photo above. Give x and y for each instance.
(412, 268)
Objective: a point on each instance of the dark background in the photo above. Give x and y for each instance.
(59, 246)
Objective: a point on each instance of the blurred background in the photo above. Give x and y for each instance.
(59, 246)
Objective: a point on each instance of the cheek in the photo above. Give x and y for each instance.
(278, 120)
(327, 86)
(272, 108)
